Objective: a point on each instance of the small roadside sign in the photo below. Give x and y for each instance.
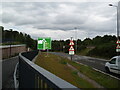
(118, 42)
(118, 48)
(71, 43)
(44, 43)
(71, 48)
(71, 51)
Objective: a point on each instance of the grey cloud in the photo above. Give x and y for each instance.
(53, 16)
(70, 19)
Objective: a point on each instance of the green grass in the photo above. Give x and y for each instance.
(104, 80)
(57, 65)
(84, 52)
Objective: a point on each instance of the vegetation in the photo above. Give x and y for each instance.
(58, 66)
(15, 37)
(101, 78)
(104, 47)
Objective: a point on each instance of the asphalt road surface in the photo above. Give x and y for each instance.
(8, 66)
(96, 63)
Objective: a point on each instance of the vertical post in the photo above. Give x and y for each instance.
(117, 7)
(63, 48)
(76, 39)
(10, 50)
(60, 45)
(118, 53)
(47, 52)
(117, 27)
(117, 24)
(44, 45)
(71, 57)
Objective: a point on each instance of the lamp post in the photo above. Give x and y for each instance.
(117, 20)
(76, 39)
(117, 48)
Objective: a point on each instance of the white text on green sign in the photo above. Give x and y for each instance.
(44, 43)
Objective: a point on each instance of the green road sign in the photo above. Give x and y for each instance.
(44, 43)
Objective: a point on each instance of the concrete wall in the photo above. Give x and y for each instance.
(13, 50)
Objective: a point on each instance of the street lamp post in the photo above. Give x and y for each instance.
(76, 40)
(117, 27)
(117, 20)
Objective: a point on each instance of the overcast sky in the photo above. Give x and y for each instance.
(59, 19)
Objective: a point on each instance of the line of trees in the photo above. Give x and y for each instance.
(99, 46)
(15, 37)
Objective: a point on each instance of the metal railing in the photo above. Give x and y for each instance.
(34, 76)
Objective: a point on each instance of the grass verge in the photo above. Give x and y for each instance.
(57, 65)
(104, 80)
(84, 52)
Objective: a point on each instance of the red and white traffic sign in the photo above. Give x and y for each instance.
(118, 42)
(71, 51)
(71, 43)
(71, 48)
(118, 48)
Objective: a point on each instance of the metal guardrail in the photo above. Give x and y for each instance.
(34, 76)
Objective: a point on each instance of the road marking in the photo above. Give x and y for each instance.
(81, 63)
(102, 63)
(16, 84)
(89, 60)
(106, 73)
(98, 70)
(79, 57)
(76, 58)
(87, 57)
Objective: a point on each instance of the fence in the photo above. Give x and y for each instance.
(33, 76)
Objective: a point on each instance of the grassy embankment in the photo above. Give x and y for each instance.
(85, 52)
(58, 66)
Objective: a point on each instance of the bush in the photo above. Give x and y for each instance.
(106, 50)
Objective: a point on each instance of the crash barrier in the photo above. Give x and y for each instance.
(34, 76)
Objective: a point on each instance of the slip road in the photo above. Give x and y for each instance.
(8, 66)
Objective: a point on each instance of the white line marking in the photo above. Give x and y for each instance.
(106, 73)
(99, 70)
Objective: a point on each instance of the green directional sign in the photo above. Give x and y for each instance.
(44, 43)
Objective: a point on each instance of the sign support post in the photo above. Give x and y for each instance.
(71, 57)
(47, 52)
(71, 50)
